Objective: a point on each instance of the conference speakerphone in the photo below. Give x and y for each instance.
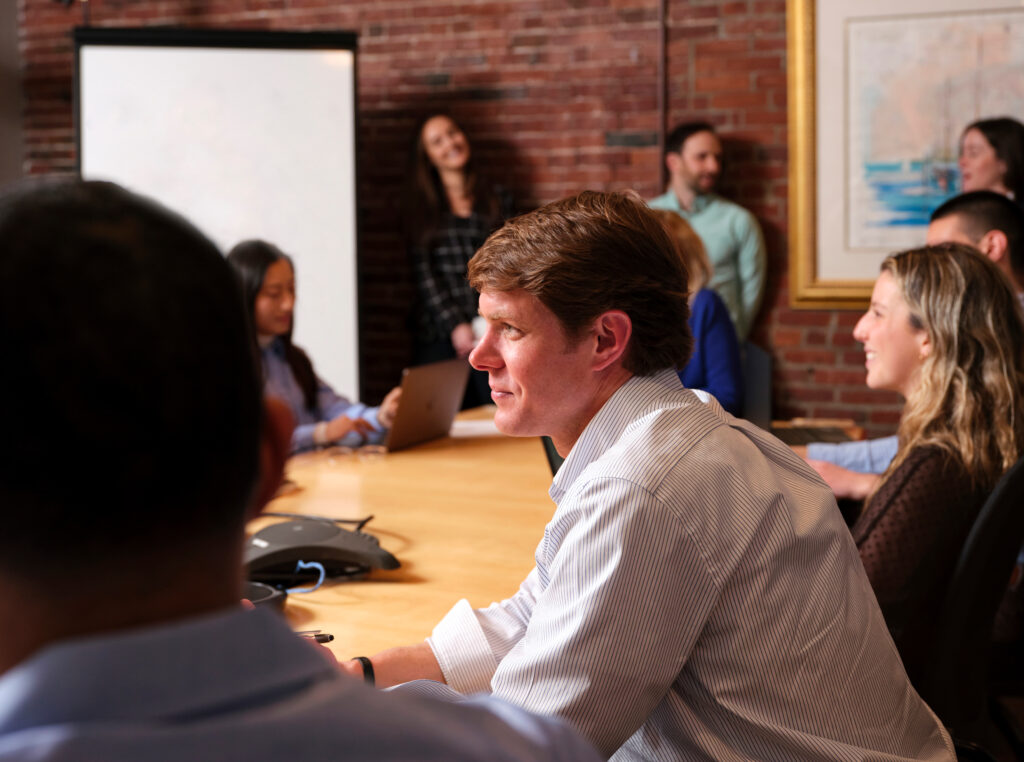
(259, 594)
(272, 554)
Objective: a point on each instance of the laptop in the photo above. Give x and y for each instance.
(431, 396)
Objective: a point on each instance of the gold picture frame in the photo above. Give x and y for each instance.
(806, 289)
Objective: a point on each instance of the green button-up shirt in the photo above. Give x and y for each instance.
(735, 247)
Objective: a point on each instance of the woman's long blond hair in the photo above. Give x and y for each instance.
(970, 397)
(690, 247)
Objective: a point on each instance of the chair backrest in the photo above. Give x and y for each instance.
(956, 684)
(554, 459)
(757, 385)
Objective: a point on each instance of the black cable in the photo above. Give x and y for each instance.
(360, 523)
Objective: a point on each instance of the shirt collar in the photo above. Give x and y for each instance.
(195, 666)
(275, 347)
(701, 202)
(634, 399)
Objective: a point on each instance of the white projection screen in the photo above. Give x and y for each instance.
(248, 134)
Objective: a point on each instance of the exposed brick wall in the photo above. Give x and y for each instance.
(556, 95)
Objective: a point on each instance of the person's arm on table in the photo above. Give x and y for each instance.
(398, 665)
(352, 423)
(468, 643)
(389, 407)
(851, 469)
(867, 456)
(843, 482)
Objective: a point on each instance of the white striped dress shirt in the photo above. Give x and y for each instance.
(696, 596)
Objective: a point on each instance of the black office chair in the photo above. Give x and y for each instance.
(757, 385)
(554, 459)
(956, 685)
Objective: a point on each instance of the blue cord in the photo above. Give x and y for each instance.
(303, 566)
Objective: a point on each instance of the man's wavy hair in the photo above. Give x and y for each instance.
(970, 400)
(590, 253)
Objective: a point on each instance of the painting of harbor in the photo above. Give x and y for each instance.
(913, 84)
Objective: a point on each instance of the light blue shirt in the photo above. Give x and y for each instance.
(240, 686)
(279, 382)
(735, 247)
(695, 596)
(869, 456)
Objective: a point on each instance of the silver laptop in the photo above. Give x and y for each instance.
(431, 396)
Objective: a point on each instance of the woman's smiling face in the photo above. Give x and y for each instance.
(445, 144)
(894, 348)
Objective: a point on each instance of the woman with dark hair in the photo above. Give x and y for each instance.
(945, 331)
(321, 416)
(992, 157)
(449, 212)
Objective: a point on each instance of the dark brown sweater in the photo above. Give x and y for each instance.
(909, 536)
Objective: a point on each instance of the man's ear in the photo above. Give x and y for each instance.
(672, 161)
(995, 246)
(613, 330)
(275, 442)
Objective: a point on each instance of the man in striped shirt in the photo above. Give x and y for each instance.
(696, 594)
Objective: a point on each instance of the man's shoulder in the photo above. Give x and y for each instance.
(657, 436)
(287, 701)
(665, 437)
(667, 201)
(718, 479)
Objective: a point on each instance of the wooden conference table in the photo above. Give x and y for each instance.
(462, 514)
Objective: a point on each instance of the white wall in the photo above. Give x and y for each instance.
(247, 143)
(11, 143)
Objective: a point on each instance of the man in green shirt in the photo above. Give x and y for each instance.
(731, 235)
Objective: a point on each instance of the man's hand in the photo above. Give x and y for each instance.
(388, 408)
(398, 665)
(463, 339)
(844, 482)
(342, 425)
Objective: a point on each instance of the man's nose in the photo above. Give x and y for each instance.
(484, 355)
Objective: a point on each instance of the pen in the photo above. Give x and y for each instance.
(319, 637)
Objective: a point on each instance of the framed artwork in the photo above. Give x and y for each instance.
(879, 93)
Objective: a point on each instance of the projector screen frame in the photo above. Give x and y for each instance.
(176, 37)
